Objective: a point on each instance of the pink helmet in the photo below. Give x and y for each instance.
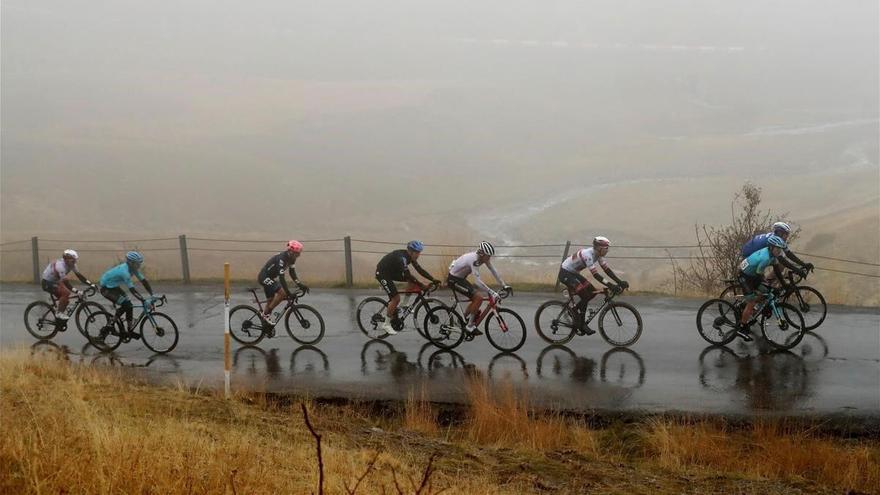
(294, 246)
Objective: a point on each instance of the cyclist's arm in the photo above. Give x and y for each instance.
(607, 269)
(777, 271)
(787, 264)
(82, 278)
(479, 282)
(495, 274)
(293, 276)
(282, 279)
(135, 293)
(790, 255)
(423, 272)
(140, 276)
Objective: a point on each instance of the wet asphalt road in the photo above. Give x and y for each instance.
(835, 370)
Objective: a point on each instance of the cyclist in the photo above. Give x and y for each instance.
(54, 280)
(760, 241)
(271, 276)
(120, 275)
(394, 267)
(457, 280)
(569, 276)
(751, 274)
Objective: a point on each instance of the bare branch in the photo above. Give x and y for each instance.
(318, 442)
(429, 469)
(352, 491)
(232, 481)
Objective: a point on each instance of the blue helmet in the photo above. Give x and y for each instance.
(416, 246)
(134, 257)
(776, 241)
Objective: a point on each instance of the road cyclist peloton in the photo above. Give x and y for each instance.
(456, 279)
(114, 279)
(394, 267)
(569, 275)
(271, 277)
(751, 275)
(761, 241)
(54, 280)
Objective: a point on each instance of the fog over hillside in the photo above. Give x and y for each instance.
(398, 119)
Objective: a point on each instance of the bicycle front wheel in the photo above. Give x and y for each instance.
(505, 330)
(103, 331)
(777, 330)
(159, 333)
(811, 304)
(83, 313)
(716, 321)
(245, 325)
(306, 326)
(40, 321)
(554, 322)
(371, 315)
(444, 327)
(424, 307)
(624, 327)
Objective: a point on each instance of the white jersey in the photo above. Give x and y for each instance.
(56, 271)
(584, 258)
(470, 263)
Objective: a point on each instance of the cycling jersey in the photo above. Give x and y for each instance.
(395, 266)
(755, 264)
(56, 271)
(470, 263)
(274, 268)
(755, 244)
(120, 275)
(585, 258)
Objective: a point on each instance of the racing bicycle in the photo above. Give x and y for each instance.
(506, 331)
(41, 318)
(303, 323)
(157, 330)
(808, 300)
(620, 324)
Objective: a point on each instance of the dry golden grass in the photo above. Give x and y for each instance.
(76, 429)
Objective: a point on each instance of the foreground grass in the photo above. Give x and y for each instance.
(70, 429)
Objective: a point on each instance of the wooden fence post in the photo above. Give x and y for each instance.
(35, 253)
(349, 273)
(564, 255)
(184, 259)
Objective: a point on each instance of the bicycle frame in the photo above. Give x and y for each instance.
(489, 309)
(147, 308)
(609, 294)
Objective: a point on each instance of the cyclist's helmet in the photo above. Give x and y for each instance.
(486, 248)
(416, 246)
(70, 253)
(600, 241)
(782, 226)
(776, 241)
(294, 246)
(134, 257)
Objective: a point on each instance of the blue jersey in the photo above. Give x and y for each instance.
(755, 244)
(119, 275)
(755, 264)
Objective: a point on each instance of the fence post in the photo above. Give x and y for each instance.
(184, 258)
(35, 253)
(564, 255)
(349, 275)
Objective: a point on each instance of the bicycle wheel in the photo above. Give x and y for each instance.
(624, 327)
(554, 323)
(505, 330)
(159, 333)
(103, 331)
(777, 330)
(716, 321)
(444, 327)
(39, 319)
(245, 325)
(84, 312)
(811, 304)
(425, 306)
(371, 315)
(307, 324)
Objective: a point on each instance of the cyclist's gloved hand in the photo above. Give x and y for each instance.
(436, 282)
(809, 267)
(802, 273)
(623, 284)
(304, 287)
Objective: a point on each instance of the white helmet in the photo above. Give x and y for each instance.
(600, 241)
(486, 248)
(782, 226)
(70, 253)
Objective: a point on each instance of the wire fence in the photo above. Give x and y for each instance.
(350, 247)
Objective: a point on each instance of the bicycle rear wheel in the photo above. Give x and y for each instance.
(505, 330)
(83, 313)
(424, 307)
(40, 320)
(245, 325)
(779, 332)
(554, 322)
(716, 321)
(103, 331)
(307, 325)
(444, 327)
(159, 333)
(811, 304)
(624, 327)
(371, 315)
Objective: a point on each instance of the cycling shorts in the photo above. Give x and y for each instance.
(270, 287)
(387, 283)
(461, 286)
(749, 283)
(50, 287)
(573, 280)
(115, 295)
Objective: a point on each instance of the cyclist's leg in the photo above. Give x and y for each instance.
(390, 288)
(274, 295)
(751, 296)
(62, 292)
(50, 288)
(117, 296)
